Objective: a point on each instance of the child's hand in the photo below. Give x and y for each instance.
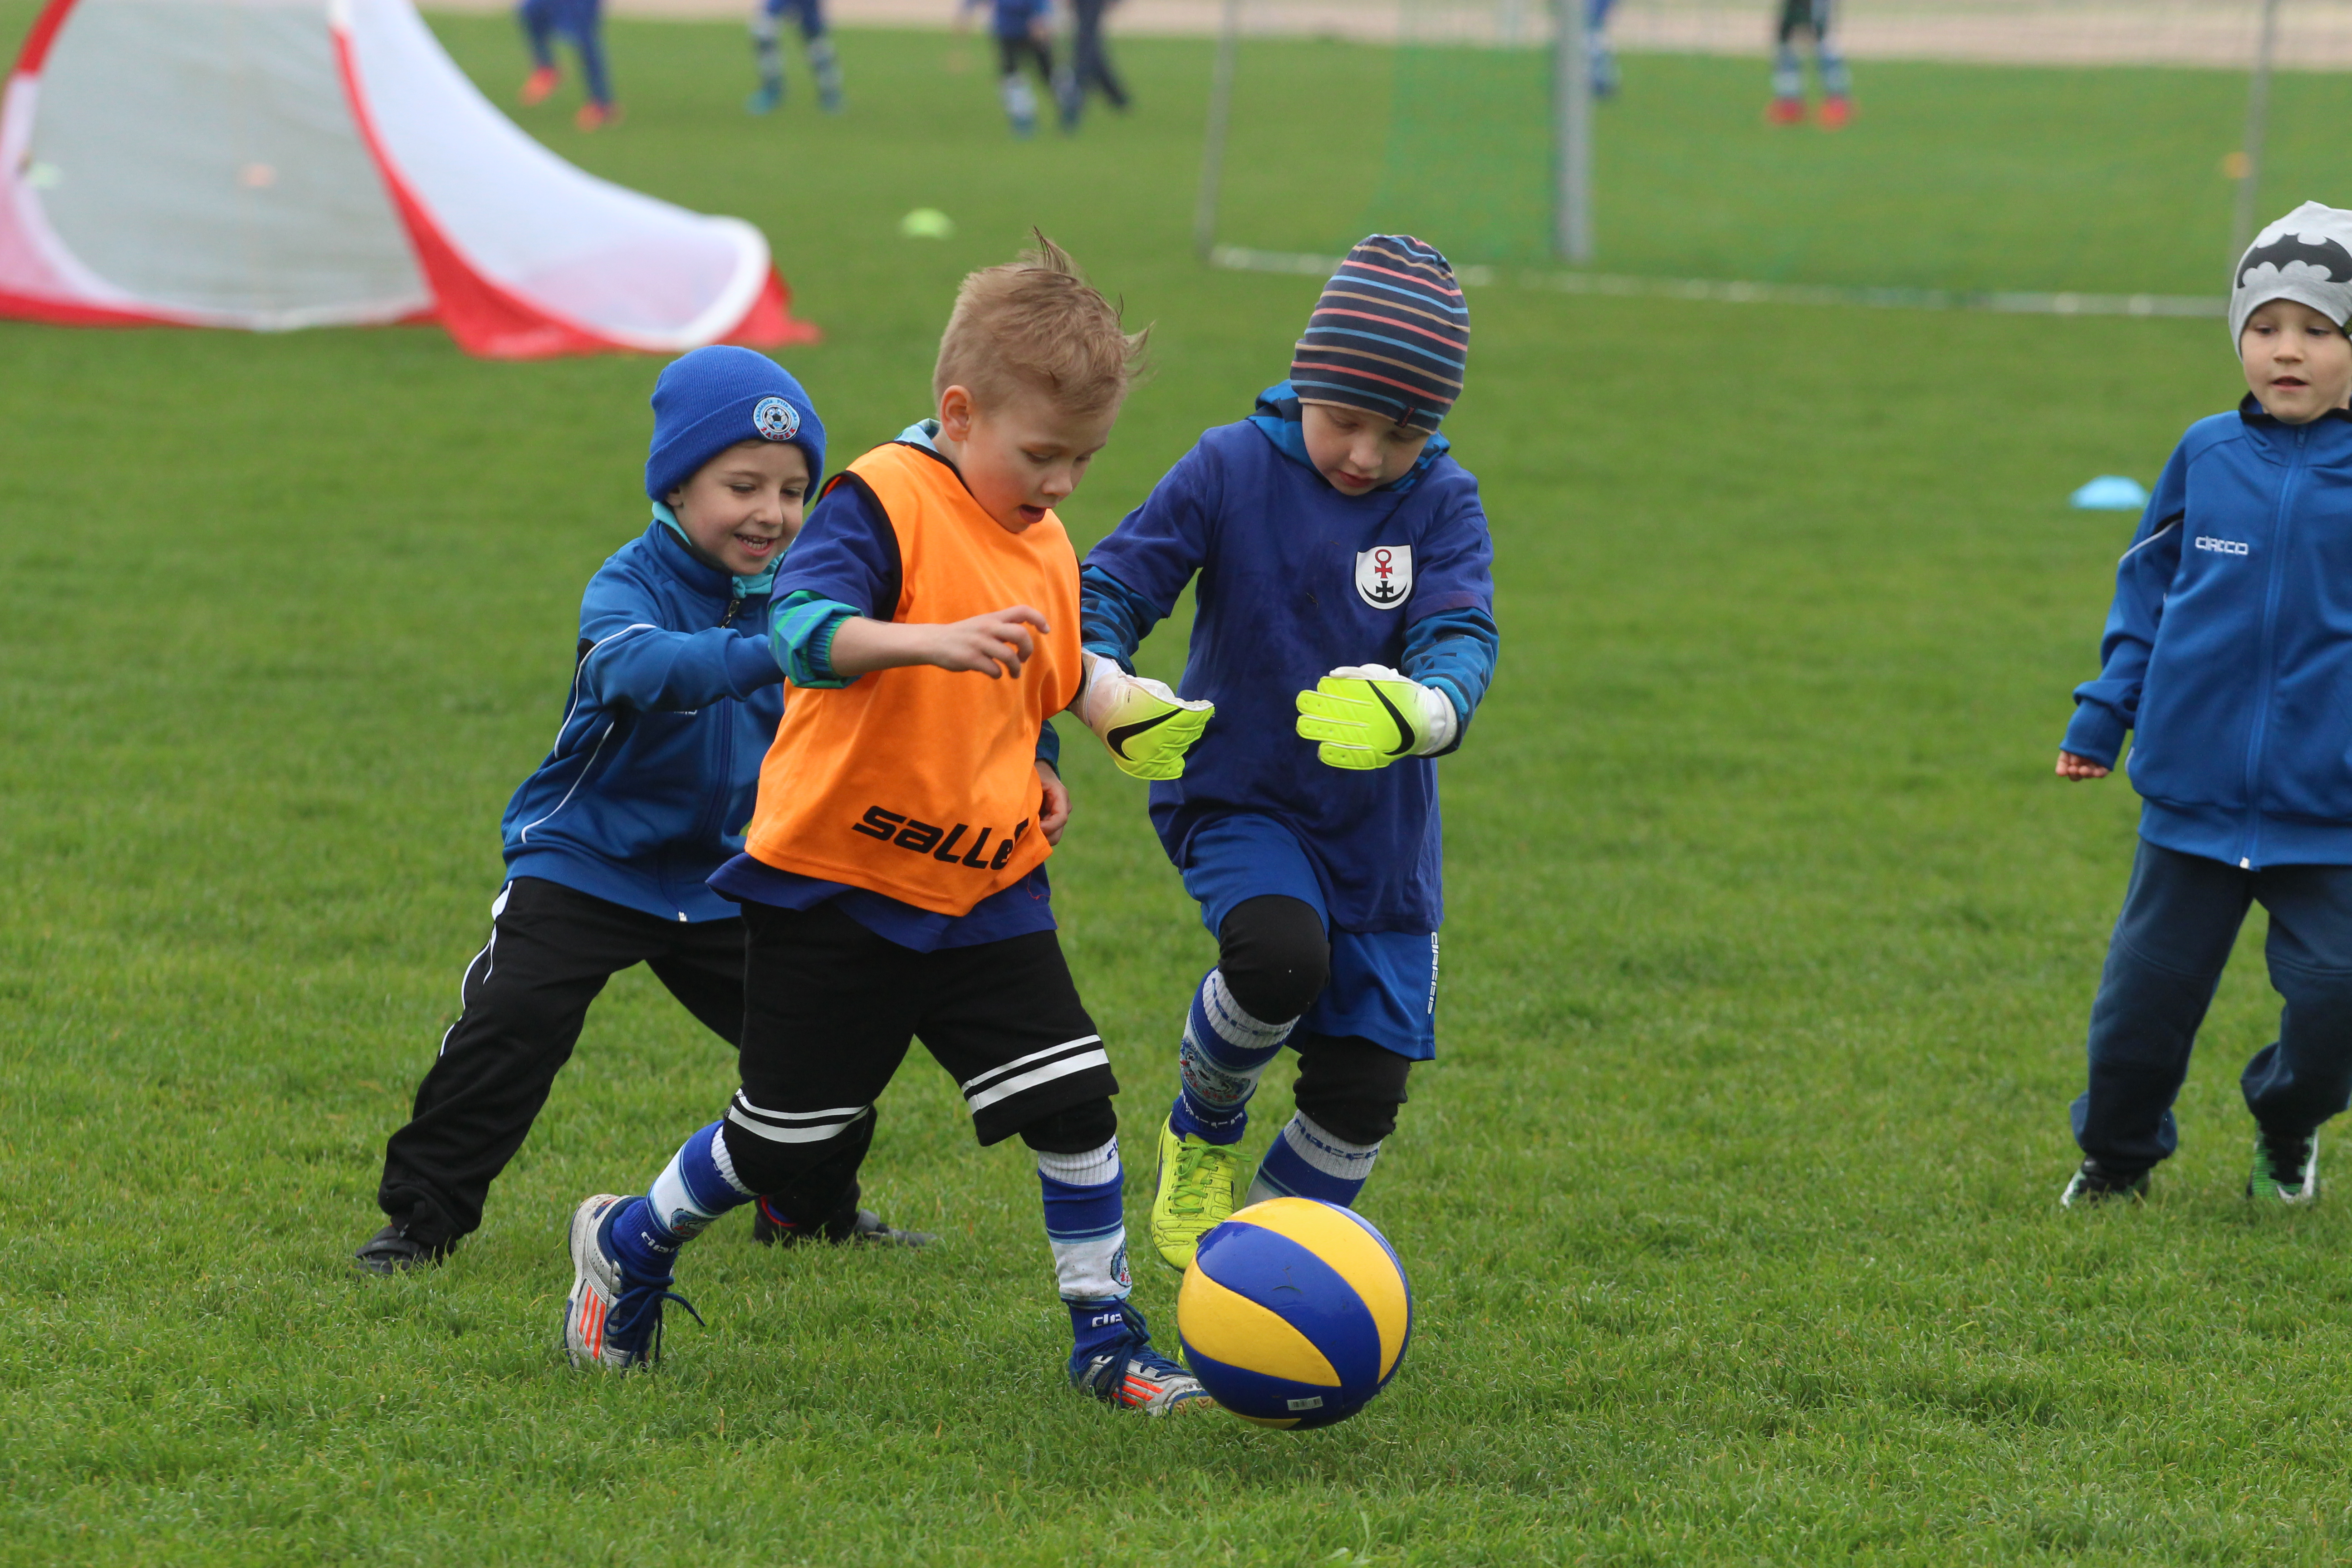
(1148, 729)
(983, 643)
(998, 642)
(2070, 767)
(1054, 814)
(1367, 716)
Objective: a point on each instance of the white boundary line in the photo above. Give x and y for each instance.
(1236, 259)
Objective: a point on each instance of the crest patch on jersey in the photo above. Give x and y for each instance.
(1384, 575)
(775, 419)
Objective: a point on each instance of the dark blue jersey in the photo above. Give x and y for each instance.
(1296, 580)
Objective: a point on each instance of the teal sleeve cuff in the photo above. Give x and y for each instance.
(800, 633)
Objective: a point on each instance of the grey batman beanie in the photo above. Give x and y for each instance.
(2305, 257)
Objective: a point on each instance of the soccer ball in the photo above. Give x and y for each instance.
(1294, 1313)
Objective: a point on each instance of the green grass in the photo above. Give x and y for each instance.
(1728, 1205)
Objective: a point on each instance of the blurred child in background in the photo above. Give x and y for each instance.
(1090, 68)
(583, 21)
(1813, 19)
(1024, 34)
(767, 45)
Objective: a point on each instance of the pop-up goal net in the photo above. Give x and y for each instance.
(266, 164)
(2067, 154)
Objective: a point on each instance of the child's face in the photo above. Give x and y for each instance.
(1359, 451)
(1020, 453)
(745, 505)
(2298, 362)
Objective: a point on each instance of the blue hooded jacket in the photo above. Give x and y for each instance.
(2229, 650)
(675, 698)
(1281, 563)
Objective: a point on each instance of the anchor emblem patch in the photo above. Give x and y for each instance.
(1384, 575)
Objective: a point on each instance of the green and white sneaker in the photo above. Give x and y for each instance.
(2285, 1167)
(2094, 1184)
(1200, 1186)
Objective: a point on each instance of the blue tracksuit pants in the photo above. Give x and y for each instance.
(583, 21)
(2179, 919)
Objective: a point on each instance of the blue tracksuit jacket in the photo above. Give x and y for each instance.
(675, 700)
(1294, 580)
(2229, 651)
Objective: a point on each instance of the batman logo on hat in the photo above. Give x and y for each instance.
(777, 420)
(2332, 261)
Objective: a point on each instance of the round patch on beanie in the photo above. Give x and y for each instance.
(775, 419)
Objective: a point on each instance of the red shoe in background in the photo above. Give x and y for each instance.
(1835, 113)
(1786, 111)
(596, 116)
(538, 84)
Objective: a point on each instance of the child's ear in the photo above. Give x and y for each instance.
(955, 413)
(675, 496)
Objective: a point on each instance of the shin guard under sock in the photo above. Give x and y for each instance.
(1306, 1161)
(696, 1187)
(1086, 1223)
(1223, 1053)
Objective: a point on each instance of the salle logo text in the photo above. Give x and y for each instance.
(946, 845)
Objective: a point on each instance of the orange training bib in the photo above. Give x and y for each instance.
(919, 783)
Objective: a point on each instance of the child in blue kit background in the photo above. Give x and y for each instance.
(767, 46)
(2228, 657)
(1344, 634)
(1024, 34)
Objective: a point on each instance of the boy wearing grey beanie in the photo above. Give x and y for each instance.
(2226, 656)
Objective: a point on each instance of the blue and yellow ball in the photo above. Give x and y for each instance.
(1295, 1313)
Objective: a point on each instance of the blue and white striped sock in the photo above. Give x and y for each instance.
(696, 1187)
(1086, 1223)
(1306, 1161)
(1223, 1053)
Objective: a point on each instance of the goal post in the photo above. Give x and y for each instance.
(1571, 110)
(1571, 228)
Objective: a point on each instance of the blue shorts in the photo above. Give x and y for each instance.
(1383, 983)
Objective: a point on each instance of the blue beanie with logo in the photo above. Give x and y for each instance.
(706, 400)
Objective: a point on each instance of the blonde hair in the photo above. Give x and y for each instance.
(1038, 323)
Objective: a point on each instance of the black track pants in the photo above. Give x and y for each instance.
(552, 950)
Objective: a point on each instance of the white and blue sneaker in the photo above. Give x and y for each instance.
(613, 1318)
(1117, 1365)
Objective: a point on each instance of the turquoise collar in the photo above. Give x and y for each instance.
(744, 586)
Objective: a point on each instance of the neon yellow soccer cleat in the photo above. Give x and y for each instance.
(1200, 1184)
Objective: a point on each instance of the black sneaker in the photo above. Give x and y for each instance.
(2094, 1184)
(2286, 1166)
(393, 1250)
(863, 1227)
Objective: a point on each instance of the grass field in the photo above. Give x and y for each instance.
(1728, 1205)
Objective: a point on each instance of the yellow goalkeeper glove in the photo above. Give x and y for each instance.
(1367, 716)
(1148, 729)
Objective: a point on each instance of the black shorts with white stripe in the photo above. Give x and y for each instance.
(830, 1009)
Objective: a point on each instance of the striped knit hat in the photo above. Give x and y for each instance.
(1390, 335)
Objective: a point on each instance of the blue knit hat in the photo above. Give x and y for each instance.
(706, 400)
(1390, 335)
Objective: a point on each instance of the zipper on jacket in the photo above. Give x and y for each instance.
(2259, 735)
(733, 605)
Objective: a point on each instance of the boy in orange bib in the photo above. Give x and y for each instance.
(893, 884)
